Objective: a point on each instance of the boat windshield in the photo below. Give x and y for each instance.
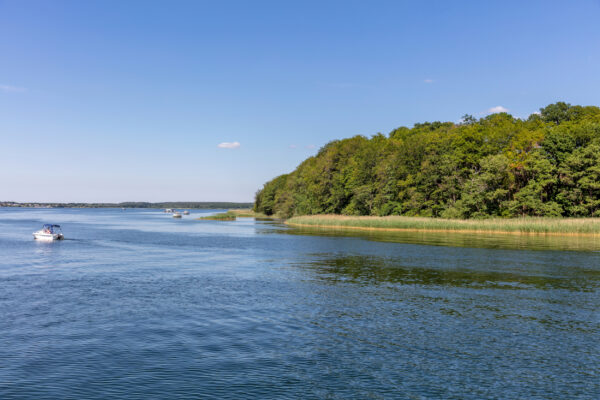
(49, 228)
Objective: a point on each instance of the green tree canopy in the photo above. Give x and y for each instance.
(498, 165)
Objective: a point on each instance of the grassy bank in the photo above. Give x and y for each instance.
(231, 215)
(226, 216)
(247, 212)
(549, 226)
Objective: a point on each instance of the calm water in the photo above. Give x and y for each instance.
(138, 305)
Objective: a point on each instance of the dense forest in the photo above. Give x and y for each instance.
(498, 165)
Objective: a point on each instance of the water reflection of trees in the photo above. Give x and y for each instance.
(370, 269)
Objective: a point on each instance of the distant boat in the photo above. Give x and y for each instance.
(176, 215)
(168, 210)
(49, 232)
(186, 212)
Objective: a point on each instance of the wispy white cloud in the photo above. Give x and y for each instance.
(293, 146)
(497, 109)
(229, 145)
(12, 89)
(311, 146)
(428, 81)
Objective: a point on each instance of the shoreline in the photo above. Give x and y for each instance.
(376, 229)
(525, 227)
(192, 205)
(233, 214)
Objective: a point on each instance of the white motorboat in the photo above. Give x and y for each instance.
(169, 210)
(49, 232)
(186, 212)
(176, 215)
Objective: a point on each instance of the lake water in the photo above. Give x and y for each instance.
(137, 305)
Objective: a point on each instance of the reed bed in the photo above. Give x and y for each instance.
(226, 216)
(529, 225)
(247, 212)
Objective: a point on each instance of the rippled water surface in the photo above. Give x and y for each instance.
(138, 305)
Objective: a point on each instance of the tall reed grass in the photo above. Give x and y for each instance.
(247, 212)
(226, 216)
(529, 225)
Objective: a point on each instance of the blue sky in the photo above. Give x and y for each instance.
(130, 100)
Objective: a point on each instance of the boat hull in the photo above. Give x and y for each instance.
(47, 236)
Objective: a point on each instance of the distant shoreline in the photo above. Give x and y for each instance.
(175, 204)
(512, 226)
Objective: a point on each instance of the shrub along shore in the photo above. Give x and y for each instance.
(531, 225)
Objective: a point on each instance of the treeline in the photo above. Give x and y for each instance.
(546, 165)
(134, 204)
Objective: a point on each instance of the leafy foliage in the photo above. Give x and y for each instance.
(495, 166)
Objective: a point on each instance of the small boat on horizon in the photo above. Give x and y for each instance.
(176, 215)
(186, 212)
(49, 232)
